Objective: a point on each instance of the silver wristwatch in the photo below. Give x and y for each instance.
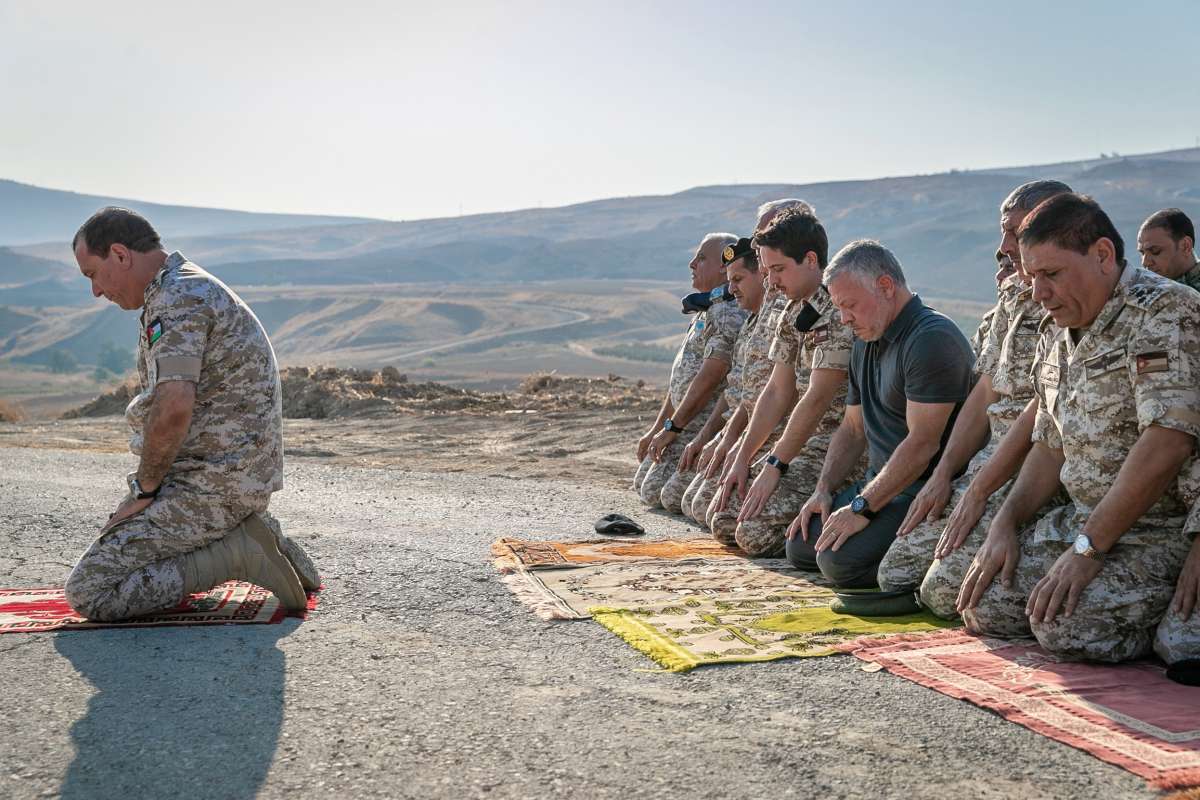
(135, 489)
(1083, 547)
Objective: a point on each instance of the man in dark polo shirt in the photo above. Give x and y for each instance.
(910, 371)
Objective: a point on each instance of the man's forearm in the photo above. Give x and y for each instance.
(1152, 464)
(165, 429)
(845, 449)
(971, 431)
(711, 373)
(772, 403)
(736, 424)
(905, 465)
(1033, 488)
(664, 413)
(1004, 463)
(823, 387)
(715, 421)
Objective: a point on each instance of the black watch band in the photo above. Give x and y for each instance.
(669, 425)
(782, 466)
(139, 494)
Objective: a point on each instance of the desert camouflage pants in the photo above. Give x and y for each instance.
(909, 562)
(763, 536)
(1117, 613)
(135, 568)
(1178, 639)
(699, 496)
(675, 489)
(652, 476)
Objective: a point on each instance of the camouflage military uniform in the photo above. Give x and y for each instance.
(711, 335)
(1137, 365)
(193, 329)
(1191, 278)
(699, 492)
(824, 345)
(1177, 639)
(1007, 340)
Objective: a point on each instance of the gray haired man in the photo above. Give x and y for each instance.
(910, 372)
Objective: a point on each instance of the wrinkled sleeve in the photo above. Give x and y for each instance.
(1165, 360)
(833, 349)
(785, 346)
(726, 320)
(938, 367)
(989, 340)
(176, 335)
(1045, 389)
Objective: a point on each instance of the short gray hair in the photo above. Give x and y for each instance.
(867, 259)
(725, 239)
(779, 205)
(1029, 196)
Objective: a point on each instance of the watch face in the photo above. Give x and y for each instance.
(1082, 543)
(858, 504)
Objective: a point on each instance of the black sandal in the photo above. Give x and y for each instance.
(618, 525)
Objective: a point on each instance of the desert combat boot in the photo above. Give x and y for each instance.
(249, 552)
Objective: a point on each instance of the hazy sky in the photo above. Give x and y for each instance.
(405, 110)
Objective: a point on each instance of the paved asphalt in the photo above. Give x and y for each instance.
(419, 676)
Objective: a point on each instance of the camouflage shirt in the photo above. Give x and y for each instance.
(733, 381)
(712, 334)
(758, 364)
(1008, 351)
(1191, 277)
(194, 328)
(1137, 365)
(825, 344)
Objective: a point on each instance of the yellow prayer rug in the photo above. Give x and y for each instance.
(569, 593)
(681, 636)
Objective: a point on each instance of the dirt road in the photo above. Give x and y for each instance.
(420, 677)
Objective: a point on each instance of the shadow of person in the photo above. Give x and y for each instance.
(180, 712)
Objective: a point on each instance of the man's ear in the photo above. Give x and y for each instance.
(886, 285)
(1188, 244)
(123, 255)
(1105, 252)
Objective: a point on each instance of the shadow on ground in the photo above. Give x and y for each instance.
(182, 712)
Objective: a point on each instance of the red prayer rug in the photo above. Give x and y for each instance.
(32, 610)
(1130, 715)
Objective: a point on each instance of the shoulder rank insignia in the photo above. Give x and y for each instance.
(807, 317)
(154, 331)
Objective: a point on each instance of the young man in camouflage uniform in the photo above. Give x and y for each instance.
(1007, 339)
(207, 426)
(697, 373)
(1118, 413)
(1167, 242)
(804, 353)
(712, 459)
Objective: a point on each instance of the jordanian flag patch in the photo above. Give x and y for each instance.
(154, 331)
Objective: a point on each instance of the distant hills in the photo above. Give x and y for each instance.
(31, 214)
(943, 227)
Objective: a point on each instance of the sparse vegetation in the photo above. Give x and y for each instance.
(11, 412)
(62, 362)
(637, 352)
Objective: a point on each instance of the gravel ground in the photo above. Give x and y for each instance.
(419, 676)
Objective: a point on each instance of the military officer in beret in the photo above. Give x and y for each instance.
(697, 373)
(207, 426)
(1118, 414)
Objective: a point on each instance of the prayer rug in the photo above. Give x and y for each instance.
(634, 583)
(33, 610)
(516, 554)
(1129, 715)
(724, 630)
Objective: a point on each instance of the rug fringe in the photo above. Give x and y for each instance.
(1187, 781)
(638, 637)
(522, 585)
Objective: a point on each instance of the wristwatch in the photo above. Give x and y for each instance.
(1083, 547)
(860, 506)
(135, 488)
(669, 425)
(782, 466)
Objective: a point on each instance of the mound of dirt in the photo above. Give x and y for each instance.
(333, 393)
(107, 404)
(11, 412)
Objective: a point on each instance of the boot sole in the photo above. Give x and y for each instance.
(292, 595)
